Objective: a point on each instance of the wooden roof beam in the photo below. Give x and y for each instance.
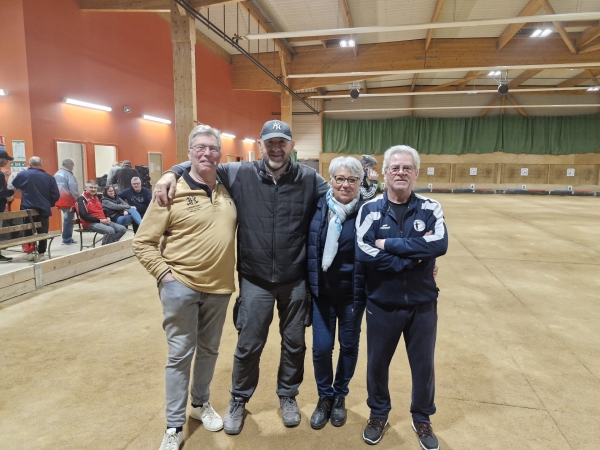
(588, 36)
(526, 75)
(436, 15)
(455, 82)
(512, 100)
(468, 78)
(592, 76)
(144, 5)
(263, 23)
(485, 111)
(414, 82)
(574, 81)
(559, 27)
(530, 9)
(590, 48)
(348, 21)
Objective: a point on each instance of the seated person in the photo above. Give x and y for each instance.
(89, 209)
(138, 197)
(118, 210)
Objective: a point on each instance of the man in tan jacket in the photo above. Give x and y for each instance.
(194, 291)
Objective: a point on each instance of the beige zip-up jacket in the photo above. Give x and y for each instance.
(193, 237)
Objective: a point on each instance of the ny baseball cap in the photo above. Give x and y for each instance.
(274, 129)
(4, 155)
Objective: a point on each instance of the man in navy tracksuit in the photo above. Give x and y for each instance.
(398, 237)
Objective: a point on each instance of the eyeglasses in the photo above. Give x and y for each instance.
(395, 169)
(202, 148)
(340, 180)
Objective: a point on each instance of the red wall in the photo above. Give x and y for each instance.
(52, 50)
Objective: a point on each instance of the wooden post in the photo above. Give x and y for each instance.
(286, 107)
(183, 37)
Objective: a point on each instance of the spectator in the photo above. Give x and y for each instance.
(336, 284)
(368, 186)
(39, 191)
(192, 255)
(89, 208)
(399, 235)
(117, 210)
(125, 175)
(67, 187)
(138, 197)
(275, 199)
(5, 193)
(111, 177)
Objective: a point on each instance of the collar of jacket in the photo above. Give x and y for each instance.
(385, 207)
(264, 173)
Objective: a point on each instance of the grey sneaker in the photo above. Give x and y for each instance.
(289, 411)
(234, 418)
(427, 438)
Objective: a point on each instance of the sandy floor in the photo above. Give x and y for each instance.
(517, 361)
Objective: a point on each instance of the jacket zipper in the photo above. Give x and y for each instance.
(274, 231)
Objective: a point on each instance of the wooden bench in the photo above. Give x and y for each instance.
(27, 216)
(79, 229)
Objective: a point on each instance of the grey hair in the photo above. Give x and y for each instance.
(35, 161)
(400, 149)
(347, 162)
(67, 161)
(205, 130)
(91, 183)
(368, 161)
(136, 179)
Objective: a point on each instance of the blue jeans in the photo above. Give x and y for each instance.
(193, 322)
(326, 314)
(67, 230)
(112, 232)
(132, 216)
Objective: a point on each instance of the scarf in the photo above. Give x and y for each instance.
(338, 212)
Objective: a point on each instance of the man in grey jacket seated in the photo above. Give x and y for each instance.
(275, 199)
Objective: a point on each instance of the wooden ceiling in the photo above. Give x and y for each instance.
(410, 71)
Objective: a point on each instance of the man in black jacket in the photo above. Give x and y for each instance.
(125, 175)
(39, 191)
(275, 199)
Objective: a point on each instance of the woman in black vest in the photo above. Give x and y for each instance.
(337, 289)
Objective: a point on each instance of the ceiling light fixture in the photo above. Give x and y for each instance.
(227, 135)
(156, 119)
(593, 89)
(71, 101)
(3, 92)
(347, 43)
(494, 73)
(536, 33)
(251, 141)
(546, 32)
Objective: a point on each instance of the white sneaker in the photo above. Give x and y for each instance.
(29, 257)
(208, 416)
(172, 440)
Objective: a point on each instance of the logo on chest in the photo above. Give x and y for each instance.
(193, 205)
(419, 225)
(385, 226)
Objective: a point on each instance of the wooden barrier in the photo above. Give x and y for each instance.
(58, 269)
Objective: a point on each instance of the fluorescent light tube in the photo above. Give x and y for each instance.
(71, 101)
(536, 33)
(351, 43)
(251, 141)
(546, 32)
(498, 73)
(343, 43)
(491, 74)
(156, 119)
(594, 88)
(228, 135)
(3, 92)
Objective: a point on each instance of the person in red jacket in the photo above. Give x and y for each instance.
(89, 208)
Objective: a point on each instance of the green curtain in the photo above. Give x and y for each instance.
(451, 136)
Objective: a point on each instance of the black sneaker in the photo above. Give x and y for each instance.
(338, 412)
(321, 414)
(290, 413)
(426, 437)
(374, 430)
(5, 258)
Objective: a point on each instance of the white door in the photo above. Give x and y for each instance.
(105, 156)
(75, 151)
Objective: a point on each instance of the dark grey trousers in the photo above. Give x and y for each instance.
(253, 314)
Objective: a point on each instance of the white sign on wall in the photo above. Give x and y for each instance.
(570, 172)
(431, 171)
(473, 171)
(524, 172)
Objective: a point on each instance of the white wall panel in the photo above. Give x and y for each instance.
(306, 129)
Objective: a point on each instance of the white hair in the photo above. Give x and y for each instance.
(205, 130)
(347, 162)
(136, 179)
(400, 149)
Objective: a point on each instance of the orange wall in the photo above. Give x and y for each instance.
(114, 59)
